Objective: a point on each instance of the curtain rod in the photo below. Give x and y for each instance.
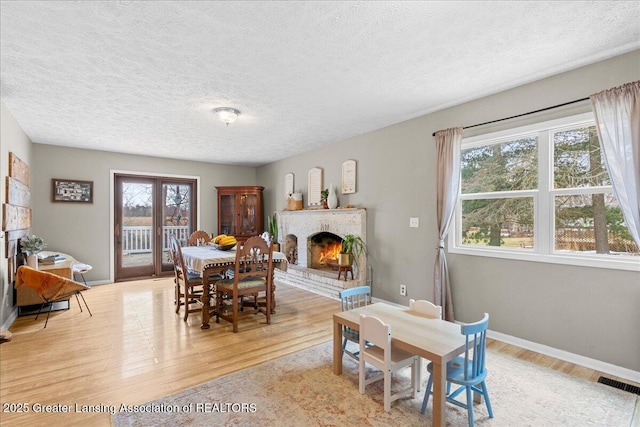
(524, 114)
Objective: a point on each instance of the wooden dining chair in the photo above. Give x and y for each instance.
(467, 371)
(188, 284)
(198, 238)
(386, 358)
(429, 309)
(252, 275)
(350, 299)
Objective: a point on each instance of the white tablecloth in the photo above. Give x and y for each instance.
(197, 257)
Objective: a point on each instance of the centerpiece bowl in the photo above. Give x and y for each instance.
(224, 247)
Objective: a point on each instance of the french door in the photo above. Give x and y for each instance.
(147, 210)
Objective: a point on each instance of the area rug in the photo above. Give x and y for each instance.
(301, 390)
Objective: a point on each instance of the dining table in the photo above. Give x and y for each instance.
(208, 259)
(434, 339)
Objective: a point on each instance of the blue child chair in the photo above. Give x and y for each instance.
(466, 371)
(353, 298)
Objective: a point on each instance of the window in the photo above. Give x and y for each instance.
(541, 193)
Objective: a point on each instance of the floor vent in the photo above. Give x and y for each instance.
(617, 384)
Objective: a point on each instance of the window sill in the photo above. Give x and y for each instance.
(628, 263)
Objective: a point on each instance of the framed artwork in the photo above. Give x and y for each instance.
(74, 191)
(314, 187)
(349, 177)
(288, 185)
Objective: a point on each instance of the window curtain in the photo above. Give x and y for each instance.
(617, 114)
(447, 189)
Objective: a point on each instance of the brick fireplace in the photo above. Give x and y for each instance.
(311, 239)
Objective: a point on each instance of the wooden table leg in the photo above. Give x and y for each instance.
(337, 347)
(206, 303)
(439, 394)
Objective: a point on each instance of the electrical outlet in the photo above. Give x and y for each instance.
(403, 290)
(414, 222)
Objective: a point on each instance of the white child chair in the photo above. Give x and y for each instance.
(386, 358)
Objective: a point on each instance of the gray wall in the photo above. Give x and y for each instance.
(12, 139)
(587, 311)
(83, 230)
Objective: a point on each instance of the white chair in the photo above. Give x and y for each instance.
(80, 268)
(383, 356)
(429, 309)
(426, 308)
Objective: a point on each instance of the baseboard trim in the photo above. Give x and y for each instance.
(13, 316)
(587, 362)
(99, 282)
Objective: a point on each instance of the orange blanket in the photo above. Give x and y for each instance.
(49, 286)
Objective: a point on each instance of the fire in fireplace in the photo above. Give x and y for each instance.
(322, 251)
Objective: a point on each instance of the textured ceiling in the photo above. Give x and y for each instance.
(143, 77)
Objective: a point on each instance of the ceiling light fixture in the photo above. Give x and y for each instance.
(227, 114)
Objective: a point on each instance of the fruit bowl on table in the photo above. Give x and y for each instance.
(224, 247)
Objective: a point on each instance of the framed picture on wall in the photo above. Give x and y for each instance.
(74, 191)
(314, 187)
(288, 185)
(349, 177)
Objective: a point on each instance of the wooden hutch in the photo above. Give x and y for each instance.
(240, 211)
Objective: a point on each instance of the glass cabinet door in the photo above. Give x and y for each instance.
(240, 211)
(248, 210)
(228, 214)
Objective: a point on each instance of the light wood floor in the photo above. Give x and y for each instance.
(135, 349)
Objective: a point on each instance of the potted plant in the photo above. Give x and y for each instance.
(352, 247)
(31, 245)
(324, 195)
(273, 231)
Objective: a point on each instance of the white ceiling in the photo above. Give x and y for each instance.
(143, 77)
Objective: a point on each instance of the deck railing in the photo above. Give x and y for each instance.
(138, 239)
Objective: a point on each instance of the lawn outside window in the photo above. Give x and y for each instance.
(541, 193)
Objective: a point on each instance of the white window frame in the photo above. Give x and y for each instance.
(543, 201)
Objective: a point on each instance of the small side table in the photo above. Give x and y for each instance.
(346, 271)
(63, 268)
